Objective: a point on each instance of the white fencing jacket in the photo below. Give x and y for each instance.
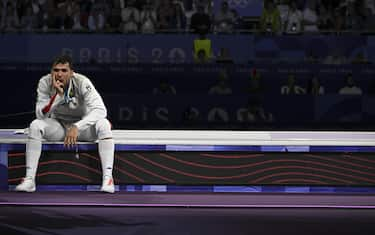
(81, 104)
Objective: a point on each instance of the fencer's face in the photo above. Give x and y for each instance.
(62, 73)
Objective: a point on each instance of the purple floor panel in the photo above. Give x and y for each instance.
(209, 200)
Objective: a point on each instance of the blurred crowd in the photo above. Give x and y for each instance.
(123, 16)
(301, 16)
(199, 16)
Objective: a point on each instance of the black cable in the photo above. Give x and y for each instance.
(16, 114)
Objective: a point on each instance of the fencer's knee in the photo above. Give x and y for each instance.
(36, 129)
(103, 129)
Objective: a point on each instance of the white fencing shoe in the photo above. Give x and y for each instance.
(108, 184)
(27, 185)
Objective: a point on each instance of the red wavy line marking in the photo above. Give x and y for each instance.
(64, 173)
(258, 155)
(89, 156)
(16, 167)
(323, 170)
(60, 161)
(116, 168)
(129, 174)
(122, 171)
(261, 163)
(190, 174)
(55, 173)
(299, 173)
(358, 158)
(146, 171)
(15, 179)
(297, 181)
(16, 154)
(339, 161)
(231, 156)
(85, 155)
(247, 174)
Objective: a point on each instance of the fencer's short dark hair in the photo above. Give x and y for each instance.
(63, 59)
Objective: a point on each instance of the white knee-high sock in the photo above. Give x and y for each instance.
(106, 151)
(33, 151)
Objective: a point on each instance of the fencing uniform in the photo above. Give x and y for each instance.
(82, 106)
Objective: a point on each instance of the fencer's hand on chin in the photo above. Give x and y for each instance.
(71, 136)
(58, 85)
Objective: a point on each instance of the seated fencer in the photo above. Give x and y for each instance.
(69, 109)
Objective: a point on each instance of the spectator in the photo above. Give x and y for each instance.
(370, 4)
(28, 20)
(21, 6)
(103, 6)
(360, 59)
(336, 57)
(164, 14)
(47, 21)
(338, 20)
(293, 24)
(115, 19)
(37, 7)
(283, 8)
(130, 18)
(369, 20)
(9, 20)
(270, 18)
(291, 88)
(201, 57)
(224, 19)
(254, 112)
(202, 49)
(314, 88)
(178, 20)
(68, 15)
(206, 4)
(200, 22)
(190, 115)
(325, 21)
(224, 56)
(85, 9)
(118, 4)
(310, 18)
(66, 9)
(96, 20)
(238, 21)
(77, 22)
(256, 86)
(164, 88)
(350, 88)
(221, 87)
(217, 115)
(59, 14)
(148, 18)
(354, 19)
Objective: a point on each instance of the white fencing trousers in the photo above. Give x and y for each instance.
(52, 130)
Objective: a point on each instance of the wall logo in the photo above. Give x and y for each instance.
(177, 56)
